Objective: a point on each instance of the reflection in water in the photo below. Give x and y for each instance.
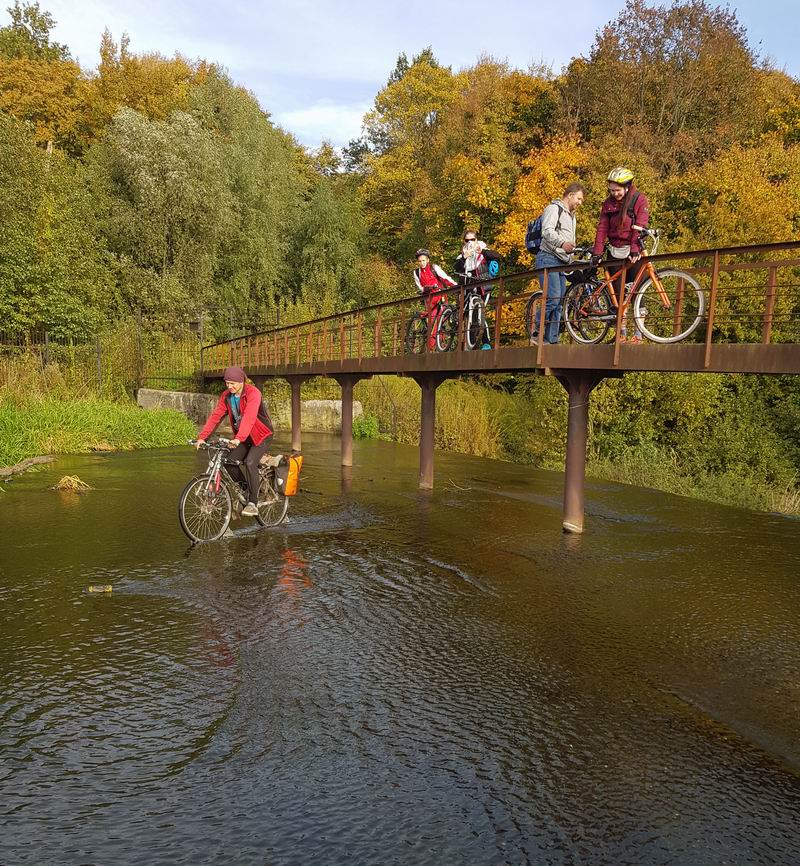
(395, 676)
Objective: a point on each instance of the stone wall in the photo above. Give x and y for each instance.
(316, 416)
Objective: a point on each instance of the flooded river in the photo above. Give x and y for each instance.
(395, 677)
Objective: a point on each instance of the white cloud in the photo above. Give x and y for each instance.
(337, 123)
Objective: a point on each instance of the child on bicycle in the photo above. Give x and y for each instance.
(432, 282)
(476, 263)
(252, 430)
(623, 215)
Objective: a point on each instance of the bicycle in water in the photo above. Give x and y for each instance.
(209, 501)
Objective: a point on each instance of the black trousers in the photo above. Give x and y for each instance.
(249, 454)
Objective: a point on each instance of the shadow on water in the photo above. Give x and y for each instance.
(395, 676)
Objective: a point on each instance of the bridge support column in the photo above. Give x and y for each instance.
(347, 383)
(296, 382)
(579, 385)
(428, 383)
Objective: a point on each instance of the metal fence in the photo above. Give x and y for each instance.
(118, 360)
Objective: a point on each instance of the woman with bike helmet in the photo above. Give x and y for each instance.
(432, 281)
(252, 430)
(623, 215)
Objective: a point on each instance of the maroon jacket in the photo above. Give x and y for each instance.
(616, 227)
(254, 422)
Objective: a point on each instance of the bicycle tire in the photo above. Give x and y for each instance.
(447, 329)
(679, 317)
(272, 506)
(197, 509)
(476, 321)
(416, 334)
(583, 309)
(533, 316)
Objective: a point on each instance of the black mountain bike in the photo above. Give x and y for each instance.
(533, 309)
(209, 501)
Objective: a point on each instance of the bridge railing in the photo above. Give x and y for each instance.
(752, 296)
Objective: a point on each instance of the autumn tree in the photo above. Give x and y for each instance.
(679, 83)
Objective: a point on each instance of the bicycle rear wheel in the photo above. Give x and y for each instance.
(533, 316)
(669, 313)
(204, 511)
(447, 330)
(588, 313)
(416, 334)
(272, 506)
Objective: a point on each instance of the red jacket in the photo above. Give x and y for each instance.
(254, 422)
(616, 227)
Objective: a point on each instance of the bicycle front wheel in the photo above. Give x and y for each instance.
(416, 334)
(204, 511)
(588, 313)
(272, 506)
(476, 323)
(669, 308)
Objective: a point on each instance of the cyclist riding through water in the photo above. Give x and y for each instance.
(432, 281)
(252, 429)
(623, 215)
(476, 263)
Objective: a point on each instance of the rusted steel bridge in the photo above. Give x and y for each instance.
(751, 325)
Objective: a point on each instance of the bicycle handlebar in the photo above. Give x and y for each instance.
(221, 442)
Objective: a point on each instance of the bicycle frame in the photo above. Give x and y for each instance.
(646, 272)
(218, 471)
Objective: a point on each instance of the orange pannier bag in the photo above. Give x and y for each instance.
(287, 475)
(293, 480)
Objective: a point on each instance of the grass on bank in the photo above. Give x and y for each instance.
(55, 424)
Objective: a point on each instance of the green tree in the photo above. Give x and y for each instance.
(165, 205)
(54, 270)
(28, 35)
(329, 245)
(269, 179)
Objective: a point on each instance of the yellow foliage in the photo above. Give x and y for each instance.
(545, 174)
(50, 96)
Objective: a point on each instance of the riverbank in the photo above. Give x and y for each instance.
(57, 425)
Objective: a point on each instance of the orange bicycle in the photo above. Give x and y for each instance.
(668, 304)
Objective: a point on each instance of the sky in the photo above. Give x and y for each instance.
(316, 66)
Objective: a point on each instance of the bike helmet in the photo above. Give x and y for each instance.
(419, 253)
(620, 175)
